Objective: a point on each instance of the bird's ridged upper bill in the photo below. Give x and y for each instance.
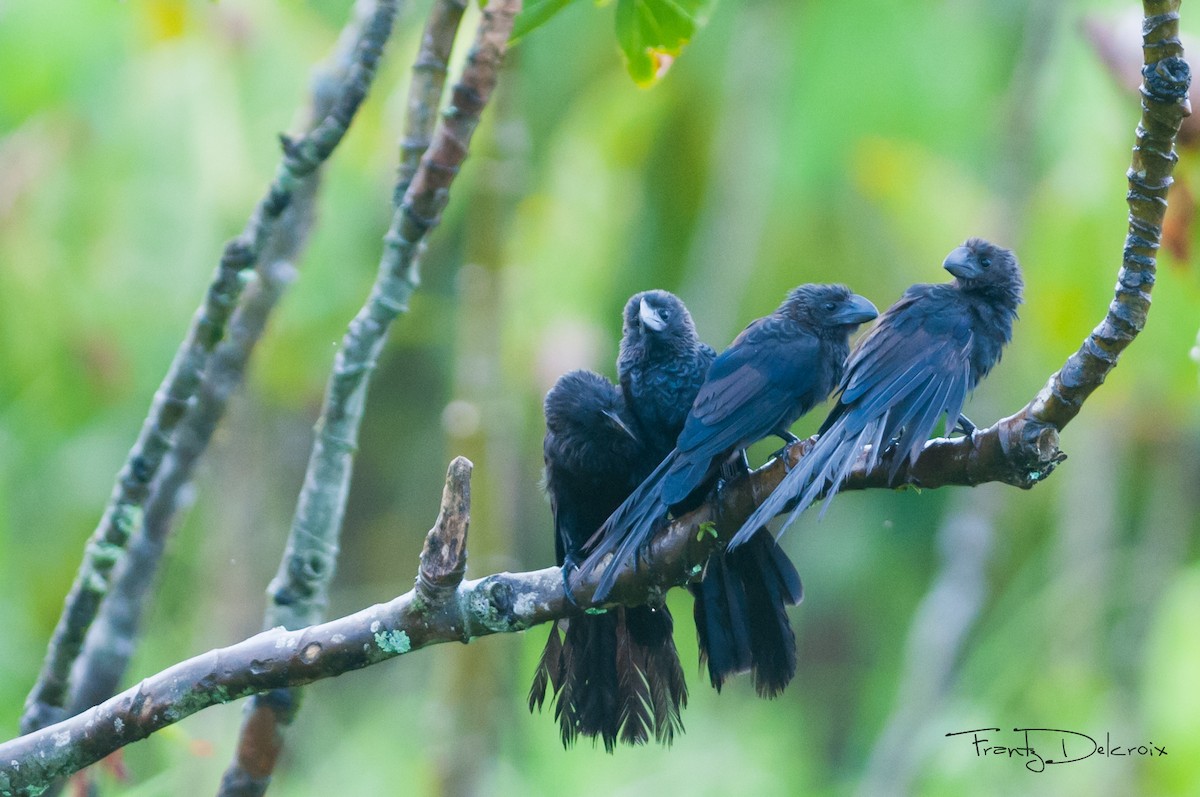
(619, 424)
(650, 317)
(962, 263)
(858, 310)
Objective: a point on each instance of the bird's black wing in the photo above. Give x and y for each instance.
(629, 527)
(752, 390)
(913, 368)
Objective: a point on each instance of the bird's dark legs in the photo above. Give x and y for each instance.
(731, 468)
(570, 562)
(965, 426)
(789, 440)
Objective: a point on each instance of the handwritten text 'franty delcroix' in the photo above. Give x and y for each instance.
(1054, 746)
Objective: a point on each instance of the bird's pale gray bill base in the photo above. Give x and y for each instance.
(650, 318)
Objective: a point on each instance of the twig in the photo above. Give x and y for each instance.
(425, 90)
(1165, 81)
(123, 514)
(112, 639)
(298, 592)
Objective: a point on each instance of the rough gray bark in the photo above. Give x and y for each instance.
(430, 158)
(301, 157)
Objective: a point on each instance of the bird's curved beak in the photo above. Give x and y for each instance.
(649, 318)
(962, 264)
(620, 424)
(857, 310)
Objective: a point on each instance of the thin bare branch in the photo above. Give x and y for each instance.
(123, 514)
(299, 591)
(113, 637)
(1165, 81)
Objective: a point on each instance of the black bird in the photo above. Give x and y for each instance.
(614, 675)
(918, 363)
(741, 601)
(773, 372)
(661, 365)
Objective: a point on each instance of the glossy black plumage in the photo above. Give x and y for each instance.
(773, 372)
(741, 614)
(741, 601)
(916, 365)
(614, 676)
(661, 366)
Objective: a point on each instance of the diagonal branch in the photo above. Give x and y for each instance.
(298, 592)
(1165, 82)
(437, 610)
(442, 608)
(430, 160)
(113, 637)
(123, 514)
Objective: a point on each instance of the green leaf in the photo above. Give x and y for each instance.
(652, 33)
(535, 14)
(707, 528)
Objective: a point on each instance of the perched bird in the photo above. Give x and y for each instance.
(918, 363)
(661, 365)
(614, 675)
(741, 601)
(777, 369)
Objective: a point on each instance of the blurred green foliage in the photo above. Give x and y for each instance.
(790, 142)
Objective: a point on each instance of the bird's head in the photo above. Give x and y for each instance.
(658, 318)
(981, 266)
(584, 400)
(828, 307)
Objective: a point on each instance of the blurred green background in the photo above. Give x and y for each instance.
(792, 142)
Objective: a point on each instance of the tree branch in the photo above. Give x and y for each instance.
(113, 637)
(441, 609)
(298, 593)
(1165, 81)
(123, 514)
(425, 90)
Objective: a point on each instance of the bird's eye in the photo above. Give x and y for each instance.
(985, 262)
(830, 307)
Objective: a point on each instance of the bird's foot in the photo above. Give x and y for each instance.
(789, 441)
(569, 564)
(965, 426)
(733, 467)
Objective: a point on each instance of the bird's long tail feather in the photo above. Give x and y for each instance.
(741, 614)
(820, 472)
(651, 634)
(613, 677)
(630, 527)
